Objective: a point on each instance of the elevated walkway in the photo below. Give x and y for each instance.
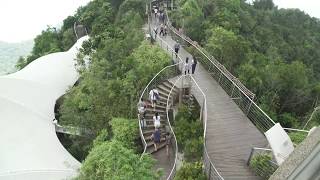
(230, 134)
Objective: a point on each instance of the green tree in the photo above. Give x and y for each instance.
(113, 161)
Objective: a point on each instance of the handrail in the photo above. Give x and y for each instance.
(142, 94)
(217, 64)
(205, 129)
(176, 150)
(298, 130)
(235, 83)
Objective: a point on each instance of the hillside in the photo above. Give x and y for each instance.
(10, 53)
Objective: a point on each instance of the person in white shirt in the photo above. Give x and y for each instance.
(156, 120)
(153, 96)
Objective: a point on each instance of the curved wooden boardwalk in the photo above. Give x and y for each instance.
(230, 134)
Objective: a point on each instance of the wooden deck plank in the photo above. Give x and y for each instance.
(230, 134)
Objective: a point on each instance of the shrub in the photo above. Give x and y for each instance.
(261, 165)
(191, 171)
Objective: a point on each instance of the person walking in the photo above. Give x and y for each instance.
(161, 30)
(186, 66)
(156, 136)
(142, 113)
(176, 49)
(194, 64)
(156, 120)
(154, 97)
(165, 30)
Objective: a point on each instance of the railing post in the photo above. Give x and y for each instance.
(232, 89)
(220, 77)
(201, 111)
(249, 106)
(250, 156)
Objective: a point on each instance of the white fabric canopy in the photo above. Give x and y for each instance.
(280, 143)
(29, 146)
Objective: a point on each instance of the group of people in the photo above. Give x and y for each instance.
(190, 66)
(142, 106)
(159, 14)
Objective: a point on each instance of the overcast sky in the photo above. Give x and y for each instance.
(24, 19)
(311, 7)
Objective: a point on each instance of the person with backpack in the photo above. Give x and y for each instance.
(194, 64)
(156, 136)
(154, 96)
(156, 120)
(176, 49)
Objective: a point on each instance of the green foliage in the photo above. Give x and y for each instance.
(101, 138)
(227, 47)
(297, 137)
(125, 131)
(190, 171)
(113, 161)
(273, 57)
(189, 132)
(261, 165)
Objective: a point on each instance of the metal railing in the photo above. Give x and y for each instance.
(262, 167)
(232, 86)
(163, 74)
(174, 144)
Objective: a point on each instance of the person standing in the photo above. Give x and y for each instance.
(194, 64)
(142, 113)
(176, 49)
(154, 96)
(186, 66)
(156, 120)
(161, 30)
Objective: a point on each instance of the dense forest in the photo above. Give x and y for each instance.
(273, 51)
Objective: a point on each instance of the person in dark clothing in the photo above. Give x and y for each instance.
(194, 64)
(176, 49)
(156, 136)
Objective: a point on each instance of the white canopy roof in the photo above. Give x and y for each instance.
(29, 147)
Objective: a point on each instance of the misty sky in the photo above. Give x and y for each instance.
(24, 19)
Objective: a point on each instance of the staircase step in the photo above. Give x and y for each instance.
(169, 85)
(152, 150)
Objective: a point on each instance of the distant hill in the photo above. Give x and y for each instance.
(10, 52)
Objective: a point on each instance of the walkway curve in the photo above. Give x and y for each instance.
(31, 148)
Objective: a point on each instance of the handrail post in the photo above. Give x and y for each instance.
(250, 156)
(220, 77)
(232, 89)
(249, 106)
